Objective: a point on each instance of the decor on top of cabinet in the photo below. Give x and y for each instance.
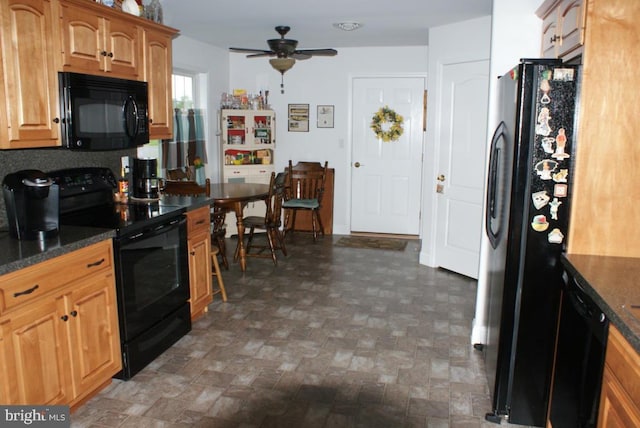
(240, 100)
(153, 11)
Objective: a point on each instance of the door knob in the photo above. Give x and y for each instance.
(357, 164)
(441, 177)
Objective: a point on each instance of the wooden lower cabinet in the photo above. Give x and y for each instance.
(620, 396)
(94, 335)
(62, 346)
(199, 247)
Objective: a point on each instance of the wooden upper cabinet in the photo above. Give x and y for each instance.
(563, 23)
(158, 70)
(97, 44)
(30, 81)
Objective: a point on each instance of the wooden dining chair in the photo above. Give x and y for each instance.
(185, 188)
(270, 222)
(305, 187)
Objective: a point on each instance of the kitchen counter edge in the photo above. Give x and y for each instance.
(16, 254)
(614, 284)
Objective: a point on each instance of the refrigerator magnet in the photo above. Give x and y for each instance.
(553, 208)
(545, 88)
(540, 223)
(547, 144)
(540, 199)
(555, 236)
(545, 168)
(564, 74)
(561, 141)
(542, 127)
(561, 176)
(560, 190)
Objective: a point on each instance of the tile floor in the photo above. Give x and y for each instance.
(331, 337)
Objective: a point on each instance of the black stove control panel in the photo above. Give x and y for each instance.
(74, 181)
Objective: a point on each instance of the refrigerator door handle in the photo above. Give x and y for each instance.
(494, 168)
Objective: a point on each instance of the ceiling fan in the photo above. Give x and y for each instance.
(284, 52)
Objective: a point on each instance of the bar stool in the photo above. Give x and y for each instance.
(214, 259)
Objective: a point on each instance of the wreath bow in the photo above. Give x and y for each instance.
(386, 116)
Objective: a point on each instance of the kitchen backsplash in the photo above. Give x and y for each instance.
(53, 159)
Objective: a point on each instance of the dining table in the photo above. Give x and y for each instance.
(234, 197)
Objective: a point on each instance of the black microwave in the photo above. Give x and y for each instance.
(102, 113)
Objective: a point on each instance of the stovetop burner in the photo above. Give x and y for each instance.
(87, 199)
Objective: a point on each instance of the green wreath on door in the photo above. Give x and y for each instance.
(386, 116)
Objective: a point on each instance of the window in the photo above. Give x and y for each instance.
(183, 91)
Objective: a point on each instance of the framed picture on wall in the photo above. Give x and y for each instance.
(298, 118)
(325, 116)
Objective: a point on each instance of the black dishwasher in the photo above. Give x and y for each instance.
(579, 361)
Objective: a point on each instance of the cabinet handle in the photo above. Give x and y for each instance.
(103, 53)
(27, 291)
(74, 313)
(200, 222)
(193, 253)
(64, 317)
(110, 54)
(150, 120)
(56, 120)
(94, 264)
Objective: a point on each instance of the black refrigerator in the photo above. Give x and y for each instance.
(527, 212)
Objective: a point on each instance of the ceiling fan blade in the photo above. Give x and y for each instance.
(249, 50)
(299, 55)
(263, 54)
(307, 53)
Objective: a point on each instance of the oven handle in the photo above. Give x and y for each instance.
(150, 232)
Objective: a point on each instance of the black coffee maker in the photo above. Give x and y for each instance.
(145, 178)
(31, 199)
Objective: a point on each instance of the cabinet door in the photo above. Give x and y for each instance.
(83, 44)
(122, 44)
(40, 353)
(158, 69)
(94, 343)
(550, 36)
(6, 386)
(29, 40)
(200, 273)
(571, 18)
(617, 410)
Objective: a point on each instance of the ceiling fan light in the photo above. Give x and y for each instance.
(282, 64)
(347, 25)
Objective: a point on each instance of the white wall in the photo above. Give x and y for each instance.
(317, 81)
(455, 43)
(516, 33)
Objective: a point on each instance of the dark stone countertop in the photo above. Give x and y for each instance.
(614, 284)
(16, 254)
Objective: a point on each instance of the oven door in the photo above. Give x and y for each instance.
(153, 275)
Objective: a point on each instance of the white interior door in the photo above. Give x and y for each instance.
(386, 176)
(460, 178)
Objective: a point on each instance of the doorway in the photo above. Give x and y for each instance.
(386, 175)
(461, 141)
